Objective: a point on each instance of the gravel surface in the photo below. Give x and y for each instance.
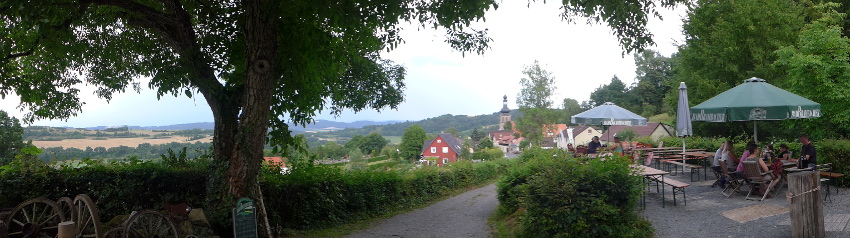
(464, 215)
(703, 216)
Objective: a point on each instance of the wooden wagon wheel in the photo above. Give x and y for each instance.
(149, 224)
(86, 218)
(37, 217)
(66, 205)
(114, 233)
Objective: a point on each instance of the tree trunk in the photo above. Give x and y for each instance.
(240, 132)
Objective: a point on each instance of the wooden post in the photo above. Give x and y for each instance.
(67, 229)
(806, 204)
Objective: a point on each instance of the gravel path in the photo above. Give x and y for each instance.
(464, 215)
(710, 214)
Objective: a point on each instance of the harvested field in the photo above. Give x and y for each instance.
(114, 142)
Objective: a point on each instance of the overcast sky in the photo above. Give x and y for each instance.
(439, 80)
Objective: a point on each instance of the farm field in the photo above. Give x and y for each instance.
(114, 142)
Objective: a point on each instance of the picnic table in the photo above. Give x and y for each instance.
(703, 155)
(651, 174)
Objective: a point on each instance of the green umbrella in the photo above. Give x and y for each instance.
(755, 100)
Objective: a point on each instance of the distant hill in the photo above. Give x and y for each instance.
(431, 125)
(320, 125)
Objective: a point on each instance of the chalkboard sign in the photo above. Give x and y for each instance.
(244, 219)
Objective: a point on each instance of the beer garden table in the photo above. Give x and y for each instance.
(650, 173)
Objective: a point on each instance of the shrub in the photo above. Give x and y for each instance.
(564, 197)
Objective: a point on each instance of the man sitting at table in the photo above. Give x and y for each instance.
(594, 145)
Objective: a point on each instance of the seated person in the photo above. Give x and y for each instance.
(594, 145)
(784, 154)
(751, 150)
(768, 154)
(617, 147)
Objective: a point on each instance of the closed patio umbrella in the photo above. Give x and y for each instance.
(755, 100)
(683, 118)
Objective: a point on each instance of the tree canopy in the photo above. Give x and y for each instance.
(411, 142)
(535, 102)
(11, 138)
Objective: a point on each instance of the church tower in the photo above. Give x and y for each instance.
(506, 113)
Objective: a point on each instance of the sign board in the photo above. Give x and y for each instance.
(245, 219)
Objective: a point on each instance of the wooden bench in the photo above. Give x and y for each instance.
(831, 175)
(678, 187)
(694, 168)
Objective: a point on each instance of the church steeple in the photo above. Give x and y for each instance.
(506, 113)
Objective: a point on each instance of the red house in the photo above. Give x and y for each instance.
(445, 148)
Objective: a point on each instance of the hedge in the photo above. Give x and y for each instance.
(556, 195)
(309, 197)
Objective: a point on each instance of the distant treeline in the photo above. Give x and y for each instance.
(431, 125)
(142, 151)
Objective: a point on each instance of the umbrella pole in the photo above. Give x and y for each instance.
(756, 132)
(684, 148)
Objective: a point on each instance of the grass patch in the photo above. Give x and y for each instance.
(393, 139)
(504, 224)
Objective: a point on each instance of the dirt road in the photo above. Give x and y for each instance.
(464, 215)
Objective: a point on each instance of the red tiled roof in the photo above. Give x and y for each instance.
(274, 161)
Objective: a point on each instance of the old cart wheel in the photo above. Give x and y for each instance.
(37, 217)
(87, 220)
(66, 205)
(114, 233)
(149, 224)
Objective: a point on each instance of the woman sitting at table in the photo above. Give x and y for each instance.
(617, 147)
(728, 156)
(752, 149)
(754, 156)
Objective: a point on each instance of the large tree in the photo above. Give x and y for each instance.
(654, 76)
(819, 69)
(728, 41)
(535, 102)
(256, 63)
(11, 138)
(373, 142)
(411, 142)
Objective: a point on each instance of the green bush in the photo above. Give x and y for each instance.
(565, 197)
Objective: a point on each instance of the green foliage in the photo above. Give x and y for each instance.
(144, 151)
(819, 69)
(538, 86)
(569, 107)
(627, 134)
(728, 42)
(835, 152)
(356, 160)
(615, 92)
(331, 150)
(564, 197)
(11, 137)
(324, 196)
(535, 102)
(488, 154)
(485, 143)
(117, 187)
(477, 135)
(411, 142)
(372, 143)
